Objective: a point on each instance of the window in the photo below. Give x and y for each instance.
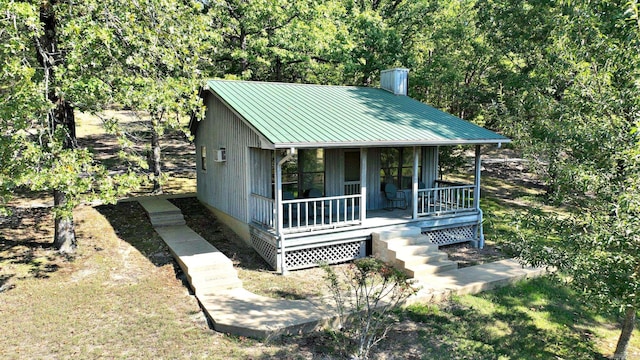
(305, 171)
(397, 167)
(203, 157)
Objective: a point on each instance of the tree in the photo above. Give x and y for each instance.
(60, 57)
(571, 99)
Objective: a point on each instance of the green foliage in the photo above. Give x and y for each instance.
(60, 56)
(365, 301)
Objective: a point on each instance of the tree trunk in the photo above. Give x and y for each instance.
(155, 165)
(61, 117)
(627, 328)
(65, 235)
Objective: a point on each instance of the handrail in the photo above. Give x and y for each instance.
(351, 187)
(263, 210)
(320, 213)
(450, 183)
(445, 200)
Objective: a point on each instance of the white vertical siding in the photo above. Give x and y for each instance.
(334, 172)
(375, 198)
(260, 170)
(225, 185)
(429, 165)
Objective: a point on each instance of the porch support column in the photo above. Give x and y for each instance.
(476, 198)
(282, 264)
(414, 188)
(478, 167)
(363, 185)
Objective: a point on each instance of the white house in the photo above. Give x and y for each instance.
(300, 171)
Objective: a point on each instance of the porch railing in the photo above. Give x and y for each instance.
(263, 210)
(445, 199)
(351, 187)
(320, 213)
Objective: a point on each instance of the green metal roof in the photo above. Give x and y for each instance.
(302, 115)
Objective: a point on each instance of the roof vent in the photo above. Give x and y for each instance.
(395, 80)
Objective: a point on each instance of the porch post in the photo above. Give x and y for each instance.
(363, 185)
(278, 210)
(282, 263)
(476, 198)
(414, 191)
(476, 195)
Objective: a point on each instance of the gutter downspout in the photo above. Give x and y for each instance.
(279, 209)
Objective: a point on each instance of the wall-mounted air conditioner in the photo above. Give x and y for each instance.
(220, 155)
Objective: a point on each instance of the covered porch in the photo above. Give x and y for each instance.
(332, 220)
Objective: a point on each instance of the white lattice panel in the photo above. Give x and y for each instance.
(268, 252)
(451, 235)
(303, 258)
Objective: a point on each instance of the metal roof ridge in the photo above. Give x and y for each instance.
(295, 84)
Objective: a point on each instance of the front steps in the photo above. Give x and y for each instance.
(409, 250)
(164, 213)
(207, 269)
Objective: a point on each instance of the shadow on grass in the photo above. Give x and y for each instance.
(131, 224)
(536, 319)
(178, 154)
(26, 245)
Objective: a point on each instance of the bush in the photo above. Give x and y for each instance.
(364, 300)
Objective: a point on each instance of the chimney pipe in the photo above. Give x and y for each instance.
(395, 81)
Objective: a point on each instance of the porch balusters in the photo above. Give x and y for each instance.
(445, 200)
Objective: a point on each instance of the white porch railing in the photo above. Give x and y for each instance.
(445, 199)
(262, 210)
(351, 187)
(320, 213)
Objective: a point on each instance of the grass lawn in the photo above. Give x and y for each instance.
(122, 296)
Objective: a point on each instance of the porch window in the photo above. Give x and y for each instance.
(397, 167)
(305, 171)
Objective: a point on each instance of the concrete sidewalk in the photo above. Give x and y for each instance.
(235, 310)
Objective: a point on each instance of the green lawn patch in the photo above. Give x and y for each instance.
(534, 319)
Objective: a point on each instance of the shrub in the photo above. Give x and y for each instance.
(364, 298)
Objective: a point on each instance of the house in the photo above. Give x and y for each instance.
(300, 171)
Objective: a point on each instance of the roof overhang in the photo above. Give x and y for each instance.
(365, 144)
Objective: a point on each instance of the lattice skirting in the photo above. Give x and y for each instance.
(263, 246)
(336, 253)
(452, 235)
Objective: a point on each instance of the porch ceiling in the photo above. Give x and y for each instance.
(302, 115)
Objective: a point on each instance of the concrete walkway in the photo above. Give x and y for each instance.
(235, 310)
